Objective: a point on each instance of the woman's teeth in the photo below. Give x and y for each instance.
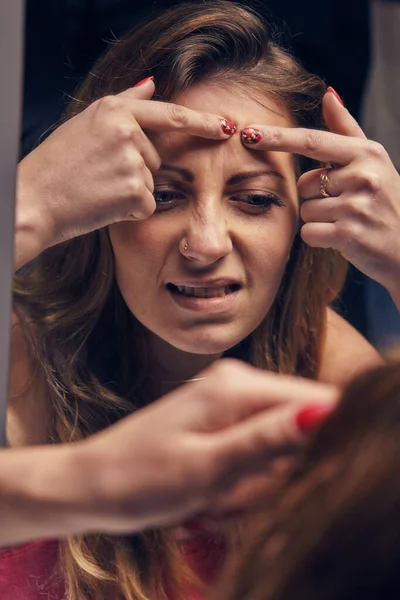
(204, 292)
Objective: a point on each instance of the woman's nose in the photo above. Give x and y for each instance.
(207, 238)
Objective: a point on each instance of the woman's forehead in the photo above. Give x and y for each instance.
(243, 106)
(231, 103)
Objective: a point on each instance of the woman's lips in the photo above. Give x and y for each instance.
(204, 292)
(213, 299)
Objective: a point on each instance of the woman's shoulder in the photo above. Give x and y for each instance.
(345, 352)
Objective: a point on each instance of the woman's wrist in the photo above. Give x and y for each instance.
(32, 231)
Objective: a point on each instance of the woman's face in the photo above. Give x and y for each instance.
(203, 271)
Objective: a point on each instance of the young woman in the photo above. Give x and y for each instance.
(151, 241)
(334, 526)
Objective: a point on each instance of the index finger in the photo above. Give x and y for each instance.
(241, 391)
(317, 144)
(164, 116)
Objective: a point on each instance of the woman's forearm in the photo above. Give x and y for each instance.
(41, 488)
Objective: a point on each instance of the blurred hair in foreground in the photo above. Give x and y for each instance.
(334, 526)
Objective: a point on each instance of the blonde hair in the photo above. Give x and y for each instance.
(91, 347)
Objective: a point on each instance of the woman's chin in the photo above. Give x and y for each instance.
(201, 344)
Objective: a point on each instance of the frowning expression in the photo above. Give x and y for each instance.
(203, 271)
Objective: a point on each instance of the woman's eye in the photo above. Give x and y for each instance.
(165, 198)
(258, 202)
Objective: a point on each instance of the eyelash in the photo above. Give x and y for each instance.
(268, 200)
(259, 203)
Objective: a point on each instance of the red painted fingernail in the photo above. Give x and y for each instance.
(227, 127)
(142, 81)
(334, 92)
(309, 417)
(250, 135)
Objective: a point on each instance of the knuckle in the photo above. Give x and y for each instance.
(359, 209)
(130, 163)
(210, 125)
(157, 162)
(147, 206)
(136, 135)
(134, 187)
(138, 162)
(312, 140)
(272, 136)
(302, 187)
(305, 213)
(123, 132)
(178, 116)
(150, 184)
(375, 150)
(370, 180)
(108, 104)
(350, 234)
(225, 371)
(277, 136)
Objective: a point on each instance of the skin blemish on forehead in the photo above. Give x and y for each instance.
(235, 159)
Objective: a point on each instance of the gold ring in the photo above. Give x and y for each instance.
(323, 183)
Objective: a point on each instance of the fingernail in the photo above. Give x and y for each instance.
(309, 417)
(142, 81)
(334, 92)
(227, 127)
(250, 135)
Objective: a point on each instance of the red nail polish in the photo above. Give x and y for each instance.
(309, 417)
(250, 135)
(334, 92)
(142, 81)
(227, 127)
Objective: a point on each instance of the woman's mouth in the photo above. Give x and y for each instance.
(204, 292)
(212, 299)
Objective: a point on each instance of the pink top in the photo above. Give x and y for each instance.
(30, 572)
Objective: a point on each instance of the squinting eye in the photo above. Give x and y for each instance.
(167, 199)
(164, 196)
(261, 202)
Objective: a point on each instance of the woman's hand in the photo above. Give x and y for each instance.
(361, 216)
(203, 449)
(97, 168)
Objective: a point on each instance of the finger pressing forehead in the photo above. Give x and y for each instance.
(164, 116)
(313, 143)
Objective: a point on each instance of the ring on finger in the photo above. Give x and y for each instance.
(323, 183)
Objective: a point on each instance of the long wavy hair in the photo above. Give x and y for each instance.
(89, 345)
(334, 526)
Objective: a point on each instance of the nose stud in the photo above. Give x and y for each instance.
(185, 247)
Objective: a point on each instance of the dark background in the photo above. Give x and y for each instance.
(65, 37)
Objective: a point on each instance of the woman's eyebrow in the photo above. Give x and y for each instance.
(239, 177)
(186, 174)
(189, 176)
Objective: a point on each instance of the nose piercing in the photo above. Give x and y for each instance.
(185, 247)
